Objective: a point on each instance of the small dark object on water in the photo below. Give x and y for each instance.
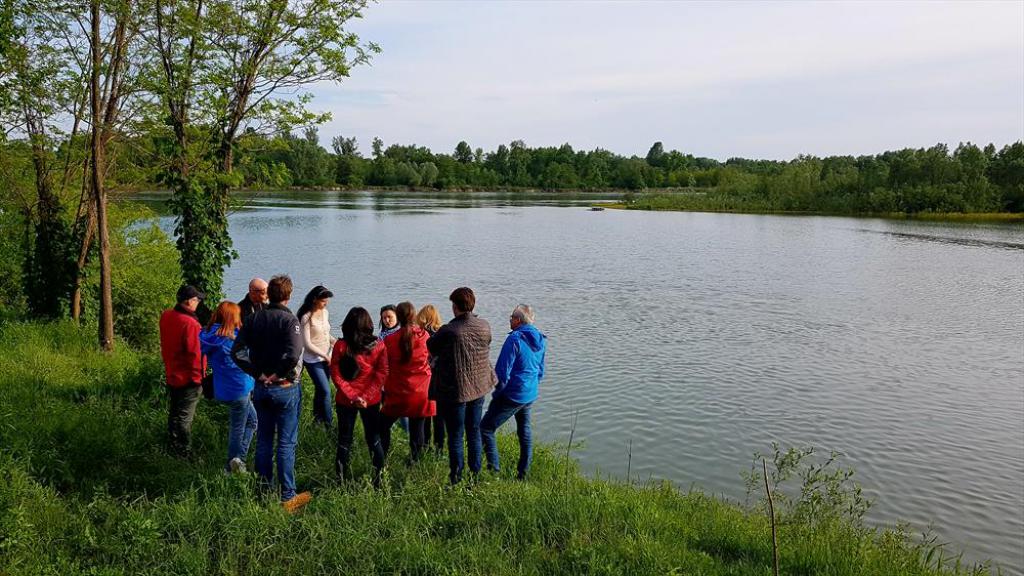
(596, 209)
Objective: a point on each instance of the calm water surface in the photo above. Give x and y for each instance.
(702, 338)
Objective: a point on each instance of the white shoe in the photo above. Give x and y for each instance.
(237, 466)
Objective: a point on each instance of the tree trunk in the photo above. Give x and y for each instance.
(83, 258)
(106, 320)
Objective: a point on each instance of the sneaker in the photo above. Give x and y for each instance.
(237, 466)
(297, 502)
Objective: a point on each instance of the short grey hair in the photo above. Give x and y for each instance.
(523, 313)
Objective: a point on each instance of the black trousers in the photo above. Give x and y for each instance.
(182, 403)
(346, 428)
(417, 438)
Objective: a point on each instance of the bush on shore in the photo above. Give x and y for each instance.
(87, 488)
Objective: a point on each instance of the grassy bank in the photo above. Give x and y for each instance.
(86, 488)
(712, 201)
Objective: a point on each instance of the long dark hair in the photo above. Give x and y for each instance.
(357, 330)
(406, 313)
(317, 293)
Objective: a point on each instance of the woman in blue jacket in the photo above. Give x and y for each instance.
(519, 368)
(230, 384)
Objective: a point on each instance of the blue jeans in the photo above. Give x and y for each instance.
(277, 410)
(498, 412)
(463, 418)
(322, 412)
(241, 427)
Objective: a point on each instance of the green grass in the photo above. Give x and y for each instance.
(86, 488)
(717, 201)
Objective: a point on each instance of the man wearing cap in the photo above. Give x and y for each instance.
(255, 299)
(184, 366)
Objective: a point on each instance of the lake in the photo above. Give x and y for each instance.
(701, 338)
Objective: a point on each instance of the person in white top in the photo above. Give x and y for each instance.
(316, 353)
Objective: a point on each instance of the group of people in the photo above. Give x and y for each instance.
(431, 377)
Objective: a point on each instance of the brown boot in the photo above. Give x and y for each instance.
(297, 502)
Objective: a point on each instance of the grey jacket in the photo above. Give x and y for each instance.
(462, 370)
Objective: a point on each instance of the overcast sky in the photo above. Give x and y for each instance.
(751, 79)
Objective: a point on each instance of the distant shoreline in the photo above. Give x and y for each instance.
(976, 217)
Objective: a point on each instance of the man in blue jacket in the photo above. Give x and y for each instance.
(519, 369)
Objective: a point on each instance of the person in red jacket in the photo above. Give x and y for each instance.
(184, 366)
(359, 367)
(408, 383)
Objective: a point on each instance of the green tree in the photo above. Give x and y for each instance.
(1007, 172)
(656, 155)
(231, 65)
(463, 153)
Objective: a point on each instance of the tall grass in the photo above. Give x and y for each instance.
(87, 488)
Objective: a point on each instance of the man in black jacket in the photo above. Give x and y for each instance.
(269, 348)
(255, 299)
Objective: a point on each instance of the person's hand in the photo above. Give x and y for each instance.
(360, 402)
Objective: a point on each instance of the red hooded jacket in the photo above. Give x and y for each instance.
(405, 391)
(184, 363)
(373, 371)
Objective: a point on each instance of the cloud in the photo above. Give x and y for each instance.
(752, 79)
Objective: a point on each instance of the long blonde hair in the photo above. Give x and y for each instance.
(229, 316)
(428, 318)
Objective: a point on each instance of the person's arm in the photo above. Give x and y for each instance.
(240, 354)
(380, 369)
(307, 340)
(543, 355)
(194, 352)
(507, 357)
(292, 353)
(343, 386)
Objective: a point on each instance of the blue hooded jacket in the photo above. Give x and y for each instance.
(520, 365)
(229, 382)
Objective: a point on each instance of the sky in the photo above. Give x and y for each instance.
(750, 79)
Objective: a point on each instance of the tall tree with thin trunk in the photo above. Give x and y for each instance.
(106, 325)
(112, 28)
(230, 65)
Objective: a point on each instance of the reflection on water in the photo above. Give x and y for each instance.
(393, 200)
(961, 240)
(702, 338)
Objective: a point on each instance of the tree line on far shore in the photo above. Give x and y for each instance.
(968, 178)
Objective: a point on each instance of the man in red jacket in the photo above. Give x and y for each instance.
(184, 365)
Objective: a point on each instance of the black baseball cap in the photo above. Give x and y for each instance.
(188, 292)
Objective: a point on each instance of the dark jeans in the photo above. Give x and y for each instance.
(417, 440)
(241, 427)
(371, 429)
(462, 418)
(498, 412)
(321, 392)
(182, 411)
(277, 411)
(434, 426)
